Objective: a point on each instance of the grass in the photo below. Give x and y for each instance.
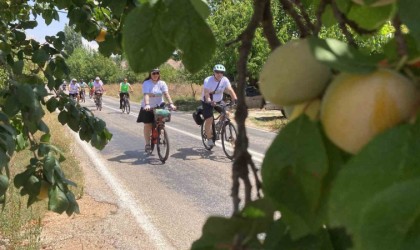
(269, 120)
(20, 227)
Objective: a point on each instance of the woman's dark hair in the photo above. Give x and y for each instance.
(150, 77)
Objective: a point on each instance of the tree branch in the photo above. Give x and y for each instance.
(241, 156)
(268, 27)
(304, 14)
(342, 21)
(321, 9)
(287, 6)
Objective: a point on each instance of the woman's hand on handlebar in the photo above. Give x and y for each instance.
(147, 107)
(172, 107)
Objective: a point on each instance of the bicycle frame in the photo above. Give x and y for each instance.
(159, 136)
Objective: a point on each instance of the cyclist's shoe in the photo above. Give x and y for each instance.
(147, 148)
(210, 143)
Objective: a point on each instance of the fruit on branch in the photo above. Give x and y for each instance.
(43, 191)
(355, 108)
(310, 108)
(101, 36)
(292, 75)
(375, 3)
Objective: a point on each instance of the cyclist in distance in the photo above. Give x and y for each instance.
(212, 94)
(153, 91)
(90, 84)
(74, 89)
(83, 87)
(124, 87)
(98, 85)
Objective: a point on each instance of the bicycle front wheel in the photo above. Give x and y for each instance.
(229, 136)
(163, 145)
(127, 106)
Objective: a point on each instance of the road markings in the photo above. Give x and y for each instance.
(126, 198)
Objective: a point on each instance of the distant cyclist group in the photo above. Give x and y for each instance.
(154, 91)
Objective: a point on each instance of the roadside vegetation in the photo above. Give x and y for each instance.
(21, 226)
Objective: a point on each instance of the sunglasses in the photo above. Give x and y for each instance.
(155, 73)
(218, 72)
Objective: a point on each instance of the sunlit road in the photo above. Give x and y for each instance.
(170, 202)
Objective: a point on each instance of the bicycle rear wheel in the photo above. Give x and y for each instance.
(229, 136)
(162, 145)
(204, 137)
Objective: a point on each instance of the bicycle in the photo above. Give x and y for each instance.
(98, 100)
(223, 129)
(159, 136)
(125, 104)
(82, 96)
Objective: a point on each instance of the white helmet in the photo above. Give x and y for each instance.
(219, 67)
(97, 78)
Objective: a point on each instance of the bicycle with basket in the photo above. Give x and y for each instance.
(159, 136)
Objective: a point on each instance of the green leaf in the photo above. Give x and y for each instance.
(12, 106)
(408, 12)
(18, 67)
(49, 166)
(293, 172)
(387, 160)
(278, 237)
(190, 33)
(371, 18)
(29, 24)
(146, 45)
(58, 201)
(73, 206)
(202, 7)
(391, 220)
(25, 94)
(21, 142)
(52, 104)
(40, 56)
(340, 56)
(19, 35)
(45, 138)
(117, 7)
(63, 117)
(4, 184)
(21, 178)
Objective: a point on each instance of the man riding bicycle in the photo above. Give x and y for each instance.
(212, 94)
(90, 84)
(124, 87)
(98, 88)
(74, 89)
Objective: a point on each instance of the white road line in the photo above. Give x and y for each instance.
(126, 199)
(258, 157)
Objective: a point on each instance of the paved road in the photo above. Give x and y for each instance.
(168, 202)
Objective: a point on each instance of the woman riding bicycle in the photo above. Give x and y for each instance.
(74, 89)
(153, 91)
(124, 87)
(212, 94)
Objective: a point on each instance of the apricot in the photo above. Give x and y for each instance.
(43, 191)
(101, 36)
(310, 108)
(292, 75)
(356, 108)
(376, 3)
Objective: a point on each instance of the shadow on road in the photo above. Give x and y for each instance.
(137, 158)
(191, 154)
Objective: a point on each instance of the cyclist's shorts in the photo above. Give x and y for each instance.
(208, 110)
(73, 95)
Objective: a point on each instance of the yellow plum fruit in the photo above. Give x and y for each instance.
(356, 107)
(101, 36)
(292, 75)
(310, 108)
(43, 192)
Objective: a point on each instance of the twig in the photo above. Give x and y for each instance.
(241, 155)
(321, 9)
(342, 21)
(268, 27)
(287, 6)
(304, 14)
(399, 37)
